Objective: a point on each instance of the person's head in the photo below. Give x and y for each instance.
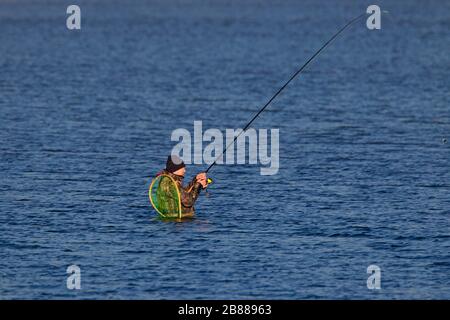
(175, 165)
(180, 172)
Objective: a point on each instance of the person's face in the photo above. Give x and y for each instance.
(180, 172)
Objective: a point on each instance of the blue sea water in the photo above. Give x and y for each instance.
(86, 118)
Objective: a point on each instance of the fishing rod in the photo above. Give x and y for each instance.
(284, 86)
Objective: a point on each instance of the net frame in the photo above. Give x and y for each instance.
(154, 205)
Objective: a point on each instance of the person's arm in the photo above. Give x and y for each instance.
(190, 193)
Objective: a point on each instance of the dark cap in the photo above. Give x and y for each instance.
(174, 163)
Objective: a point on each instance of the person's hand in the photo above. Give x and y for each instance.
(201, 178)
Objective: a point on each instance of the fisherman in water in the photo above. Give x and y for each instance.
(176, 169)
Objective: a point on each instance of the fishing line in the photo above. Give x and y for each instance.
(286, 84)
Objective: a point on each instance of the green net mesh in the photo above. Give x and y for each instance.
(164, 197)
